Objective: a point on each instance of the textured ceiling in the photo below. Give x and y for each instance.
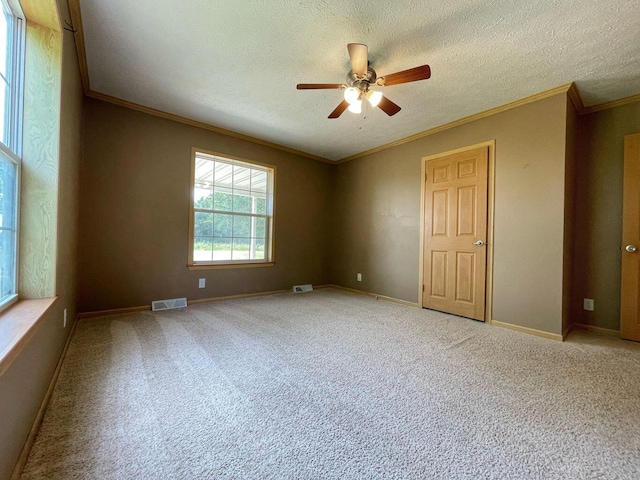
(235, 64)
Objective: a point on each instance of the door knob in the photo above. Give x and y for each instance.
(480, 243)
(631, 248)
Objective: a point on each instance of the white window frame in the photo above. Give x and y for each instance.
(11, 151)
(269, 215)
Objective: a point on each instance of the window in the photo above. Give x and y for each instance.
(231, 212)
(11, 77)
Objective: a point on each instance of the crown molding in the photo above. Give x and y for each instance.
(614, 104)
(471, 118)
(576, 100)
(574, 96)
(205, 126)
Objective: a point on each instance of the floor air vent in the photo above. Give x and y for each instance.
(168, 304)
(302, 288)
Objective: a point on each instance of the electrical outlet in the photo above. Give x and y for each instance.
(64, 322)
(201, 282)
(588, 304)
(359, 277)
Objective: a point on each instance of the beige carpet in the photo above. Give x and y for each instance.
(335, 385)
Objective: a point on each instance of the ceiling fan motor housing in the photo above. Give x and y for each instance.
(361, 83)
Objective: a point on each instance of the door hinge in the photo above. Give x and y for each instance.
(423, 288)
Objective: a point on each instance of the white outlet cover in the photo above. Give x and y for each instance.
(359, 277)
(588, 304)
(201, 282)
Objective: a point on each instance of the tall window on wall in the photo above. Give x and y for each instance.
(231, 212)
(11, 79)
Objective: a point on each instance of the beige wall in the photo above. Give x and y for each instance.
(599, 213)
(135, 182)
(24, 384)
(377, 225)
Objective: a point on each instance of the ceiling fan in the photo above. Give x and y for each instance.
(359, 82)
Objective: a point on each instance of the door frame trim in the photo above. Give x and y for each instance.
(491, 144)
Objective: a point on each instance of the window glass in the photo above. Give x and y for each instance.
(5, 41)
(8, 227)
(231, 211)
(11, 71)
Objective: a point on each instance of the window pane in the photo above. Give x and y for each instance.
(223, 201)
(222, 225)
(259, 181)
(241, 204)
(7, 267)
(269, 204)
(241, 226)
(203, 224)
(7, 75)
(204, 171)
(241, 249)
(202, 249)
(260, 228)
(5, 42)
(8, 185)
(202, 198)
(5, 112)
(258, 249)
(261, 204)
(222, 249)
(241, 178)
(8, 199)
(223, 175)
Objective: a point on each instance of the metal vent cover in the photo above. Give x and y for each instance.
(168, 304)
(302, 288)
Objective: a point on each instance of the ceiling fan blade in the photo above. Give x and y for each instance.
(388, 107)
(358, 55)
(318, 86)
(412, 75)
(339, 109)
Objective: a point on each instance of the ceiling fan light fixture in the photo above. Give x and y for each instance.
(374, 97)
(361, 78)
(351, 94)
(356, 107)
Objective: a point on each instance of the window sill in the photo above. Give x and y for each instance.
(17, 325)
(212, 266)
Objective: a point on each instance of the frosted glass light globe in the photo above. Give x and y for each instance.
(356, 107)
(351, 94)
(374, 97)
